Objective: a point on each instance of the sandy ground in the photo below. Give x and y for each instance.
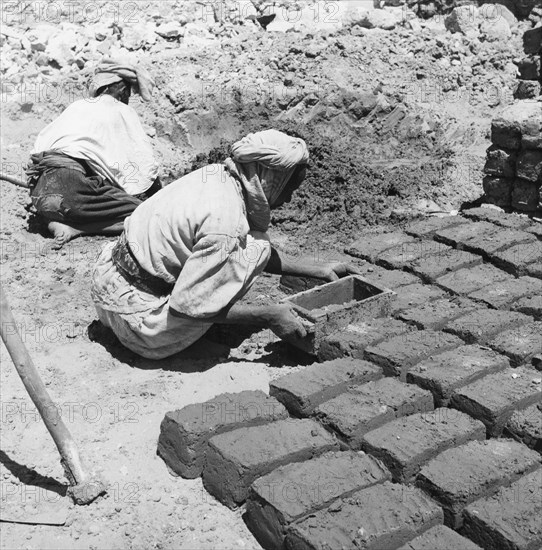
(113, 401)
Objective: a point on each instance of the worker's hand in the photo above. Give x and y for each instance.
(332, 271)
(284, 322)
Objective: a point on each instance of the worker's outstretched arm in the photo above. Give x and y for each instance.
(281, 264)
(279, 318)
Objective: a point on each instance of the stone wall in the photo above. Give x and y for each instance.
(530, 74)
(514, 161)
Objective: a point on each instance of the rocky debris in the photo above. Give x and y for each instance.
(40, 35)
(490, 22)
(386, 19)
(141, 35)
(170, 30)
(61, 47)
(496, 30)
(464, 20)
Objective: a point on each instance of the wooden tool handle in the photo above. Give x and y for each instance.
(13, 180)
(39, 395)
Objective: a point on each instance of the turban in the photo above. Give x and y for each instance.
(110, 71)
(264, 162)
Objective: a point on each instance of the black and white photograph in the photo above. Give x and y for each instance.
(271, 275)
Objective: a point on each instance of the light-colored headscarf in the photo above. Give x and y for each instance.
(264, 162)
(110, 71)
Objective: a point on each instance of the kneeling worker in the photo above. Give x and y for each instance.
(93, 165)
(190, 252)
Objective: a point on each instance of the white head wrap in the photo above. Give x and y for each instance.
(110, 71)
(264, 162)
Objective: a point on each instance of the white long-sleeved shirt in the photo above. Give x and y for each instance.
(108, 135)
(194, 234)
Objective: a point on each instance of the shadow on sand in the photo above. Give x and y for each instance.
(28, 476)
(214, 348)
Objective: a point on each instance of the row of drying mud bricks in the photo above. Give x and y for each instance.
(513, 165)
(530, 71)
(310, 487)
(421, 438)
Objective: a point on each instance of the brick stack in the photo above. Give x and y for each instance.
(530, 74)
(514, 161)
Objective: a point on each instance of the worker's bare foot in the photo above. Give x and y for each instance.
(62, 233)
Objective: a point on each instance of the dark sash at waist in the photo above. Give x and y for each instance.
(50, 160)
(128, 266)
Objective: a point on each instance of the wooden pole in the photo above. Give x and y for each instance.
(49, 412)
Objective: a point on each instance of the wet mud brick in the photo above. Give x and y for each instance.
(431, 267)
(498, 191)
(512, 221)
(406, 444)
(517, 258)
(427, 227)
(532, 41)
(525, 195)
(506, 133)
(414, 295)
(487, 243)
(529, 165)
(483, 324)
(502, 295)
(526, 426)
(440, 538)
(500, 162)
(371, 245)
(454, 236)
(443, 374)
(521, 344)
(435, 315)
(301, 392)
(382, 516)
(352, 341)
(401, 256)
(387, 278)
(467, 280)
(527, 89)
(529, 68)
(458, 477)
(235, 459)
(536, 230)
(535, 270)
(290, 493)
(494, 398)
(399, 353)
(530, 306)
(184, 433)
(369, 406)
(509, 519)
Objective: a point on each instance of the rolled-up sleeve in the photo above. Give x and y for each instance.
(219, 271)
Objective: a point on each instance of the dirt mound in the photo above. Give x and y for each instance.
(346, 187)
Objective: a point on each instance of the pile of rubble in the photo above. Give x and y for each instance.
(514, 161)
(530, 74)
(527, 9)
